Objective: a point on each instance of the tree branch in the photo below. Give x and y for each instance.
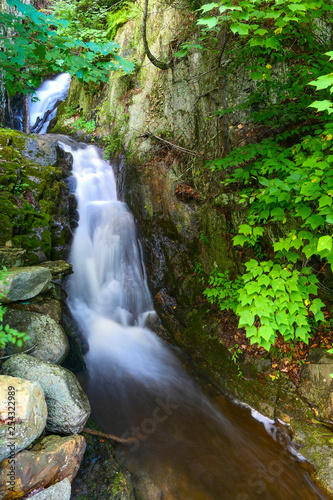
(108, 436)
(156, 62)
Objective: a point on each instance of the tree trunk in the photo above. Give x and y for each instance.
(26, 118)
(156, 62)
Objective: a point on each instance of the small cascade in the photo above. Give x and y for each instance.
(191, 447)
(49, 94)
(137, 386)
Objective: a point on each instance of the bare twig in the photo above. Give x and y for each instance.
(188, 151)
(23, 352)
(109, 436)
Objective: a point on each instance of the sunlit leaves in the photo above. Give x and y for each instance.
(35, 46)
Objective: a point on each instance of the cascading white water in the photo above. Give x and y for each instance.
(49, 93)
(192, 449)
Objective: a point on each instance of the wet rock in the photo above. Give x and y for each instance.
(316, 384)
(24, 283)
(100, 475)
(41, 305)
(58, 268)
(59, 491)
(12, 257)
(50, 460)
(146, 489)
(67, 404)
(25, 401)
(52, 343)
(58, 293)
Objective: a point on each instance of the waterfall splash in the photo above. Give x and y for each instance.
(50, 93)
(138, 388)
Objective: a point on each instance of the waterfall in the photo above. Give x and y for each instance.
(49, 95)
(193, 448)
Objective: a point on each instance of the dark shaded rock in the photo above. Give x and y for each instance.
(101, 476)
(41, 305)
(316, 383)
(78, 344)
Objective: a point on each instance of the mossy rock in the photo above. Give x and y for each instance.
(34, 211)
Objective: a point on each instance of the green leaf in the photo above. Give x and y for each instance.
(208, 6)
(210, 22)
(239, 240)
(323, 82)
(324, 243)
(240, 28)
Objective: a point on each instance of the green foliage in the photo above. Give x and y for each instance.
(119, 16)
(37, 44)
(8, 334)
(276, 299)
(223, 291)
(285, 181)
(87, 126)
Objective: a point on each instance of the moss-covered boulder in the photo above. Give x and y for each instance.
(34, 213)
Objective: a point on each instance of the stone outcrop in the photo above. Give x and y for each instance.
(23, 414)
(24, 283)
(45, 334)
(49, 461)
(68, 406)
(34, 208)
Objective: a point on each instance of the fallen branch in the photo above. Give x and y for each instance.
(23, 352)
(188, 151)
(109, 436)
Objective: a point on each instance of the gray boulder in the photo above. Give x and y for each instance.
(24, 283)
(59, 491)
(52, 343)
(26, 400)
(67, 404)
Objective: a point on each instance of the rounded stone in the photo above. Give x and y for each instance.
(23, 401)
(67, 404)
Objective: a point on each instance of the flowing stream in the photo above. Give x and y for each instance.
(191, 446)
